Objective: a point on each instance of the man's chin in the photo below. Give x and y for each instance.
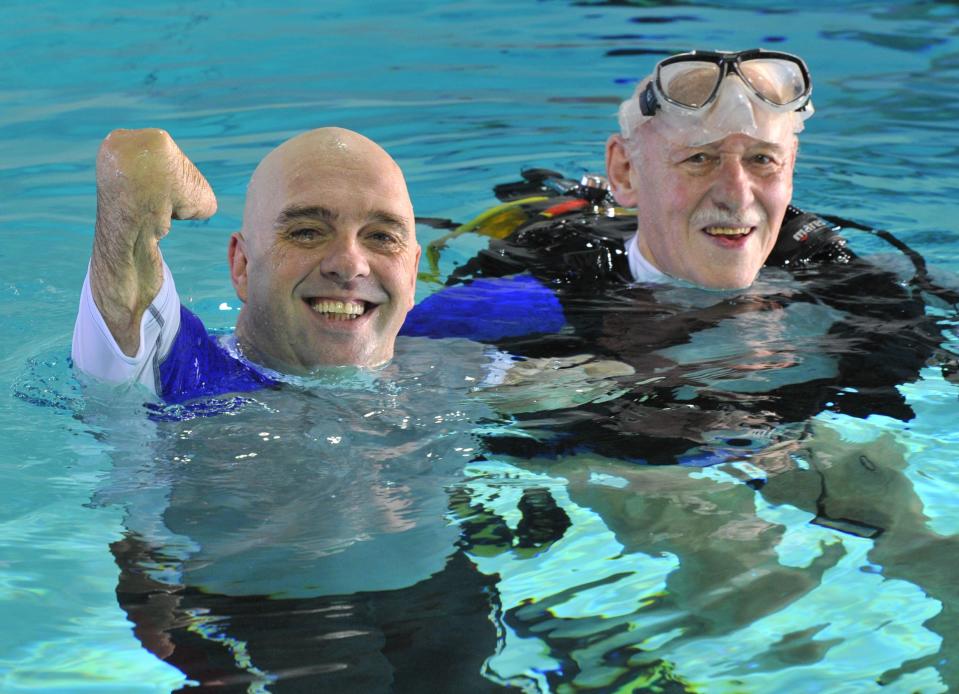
(313, 362)
(356, 353)
(738, 274)
(730, 280)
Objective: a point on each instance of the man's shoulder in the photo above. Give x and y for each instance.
(198, 365)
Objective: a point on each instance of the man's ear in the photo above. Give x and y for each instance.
(618, 169)
(416, 266)
(238, 264)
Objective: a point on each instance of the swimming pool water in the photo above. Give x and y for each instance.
(656, 575)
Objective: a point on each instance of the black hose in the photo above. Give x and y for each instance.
(921, 279)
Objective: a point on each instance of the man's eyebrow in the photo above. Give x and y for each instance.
(298, 212)
(771, 145)
(399, 222)
(324, 214)
(717, 146)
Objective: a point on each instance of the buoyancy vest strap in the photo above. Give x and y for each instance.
(806, 238)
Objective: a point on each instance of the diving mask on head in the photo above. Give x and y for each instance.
(703, 96)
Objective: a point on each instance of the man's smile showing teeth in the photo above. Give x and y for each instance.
(338, 310)
(727, 231)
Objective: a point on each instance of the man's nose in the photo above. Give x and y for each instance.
(733, 189)
(344, 259)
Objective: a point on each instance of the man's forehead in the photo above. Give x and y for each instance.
(346, 188)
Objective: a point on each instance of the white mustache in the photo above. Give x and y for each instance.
(717, 218)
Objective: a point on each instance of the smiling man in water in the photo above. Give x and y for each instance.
(706, 152)
(325, 264)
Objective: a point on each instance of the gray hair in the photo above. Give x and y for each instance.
(629, 115)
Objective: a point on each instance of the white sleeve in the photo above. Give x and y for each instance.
(96, 353)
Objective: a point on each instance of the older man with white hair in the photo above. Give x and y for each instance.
(704, 156)
(706, 153)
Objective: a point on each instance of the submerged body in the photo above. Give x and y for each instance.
(291, 533)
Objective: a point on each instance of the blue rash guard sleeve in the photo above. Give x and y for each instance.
(487, 310)
(197, 365)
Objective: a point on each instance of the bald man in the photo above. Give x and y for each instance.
(325, 265)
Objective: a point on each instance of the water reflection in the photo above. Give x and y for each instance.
(354, 537)
(301, 538)
(670, 577)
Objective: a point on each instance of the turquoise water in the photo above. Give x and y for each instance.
(663, 574)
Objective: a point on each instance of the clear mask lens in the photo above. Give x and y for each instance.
(779, 82)
(689, 83)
